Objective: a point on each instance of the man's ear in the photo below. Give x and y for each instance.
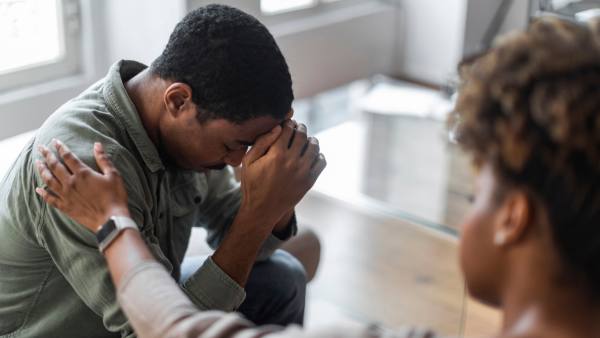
(178, 98)
(513, 218)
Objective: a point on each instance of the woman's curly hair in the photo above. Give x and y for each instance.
(530, 107)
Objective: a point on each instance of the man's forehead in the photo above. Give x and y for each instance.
(248, 131)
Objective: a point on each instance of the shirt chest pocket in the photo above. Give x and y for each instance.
(187, 194)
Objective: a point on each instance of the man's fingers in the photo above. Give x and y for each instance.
(261, 145)
(71, 160)
(288, 129)
(311, 149)
(50, 180)
(318, 166)
(294, 125)
(299, 140)
(103, 161)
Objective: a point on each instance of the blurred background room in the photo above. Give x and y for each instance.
(373, 80)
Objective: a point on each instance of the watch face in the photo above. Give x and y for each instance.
(108, 228)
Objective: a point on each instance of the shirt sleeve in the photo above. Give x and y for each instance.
(211, 288)
(156, 308)
(220, 207)
(75, 253)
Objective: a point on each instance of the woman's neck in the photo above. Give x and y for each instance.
(536, 303)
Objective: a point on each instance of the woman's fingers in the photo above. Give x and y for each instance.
(71, 160)
(103, 161)
(50, 180)
(56, 168)
(49, 198)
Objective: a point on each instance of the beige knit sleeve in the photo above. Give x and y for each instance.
(158, 308)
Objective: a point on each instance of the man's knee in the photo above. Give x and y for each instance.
(306, 247)
(276, 291)
(288, 277)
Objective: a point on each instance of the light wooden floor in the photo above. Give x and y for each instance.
(377, 268)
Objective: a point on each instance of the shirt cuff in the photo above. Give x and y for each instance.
(273, 242)
(290, 229)
(210, 288)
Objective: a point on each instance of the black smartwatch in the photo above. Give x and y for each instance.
(107, 233)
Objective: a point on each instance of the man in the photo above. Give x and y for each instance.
(220, 86)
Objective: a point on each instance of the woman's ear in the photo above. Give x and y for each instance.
(178, 98)
(513, 218)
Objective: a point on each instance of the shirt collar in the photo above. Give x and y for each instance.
(122, 107)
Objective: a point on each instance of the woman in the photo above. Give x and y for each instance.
(529, 112)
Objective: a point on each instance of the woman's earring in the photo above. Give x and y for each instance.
(499, 238)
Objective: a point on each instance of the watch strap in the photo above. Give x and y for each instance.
(110, 230)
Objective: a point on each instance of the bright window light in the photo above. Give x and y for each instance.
(280, 6)
(30, 33)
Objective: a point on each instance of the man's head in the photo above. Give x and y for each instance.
(529, 113)
(226, 83)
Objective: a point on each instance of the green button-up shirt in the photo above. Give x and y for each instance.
(53, 280)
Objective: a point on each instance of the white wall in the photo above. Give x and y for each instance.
(139, 30)
(431, 36)
(436, 34)
(479, 16)
(331, 50)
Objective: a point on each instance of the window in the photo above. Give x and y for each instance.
(40, 40)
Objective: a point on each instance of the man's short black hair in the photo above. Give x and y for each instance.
(231, 62)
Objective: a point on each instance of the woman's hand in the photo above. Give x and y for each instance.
(88, 197)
